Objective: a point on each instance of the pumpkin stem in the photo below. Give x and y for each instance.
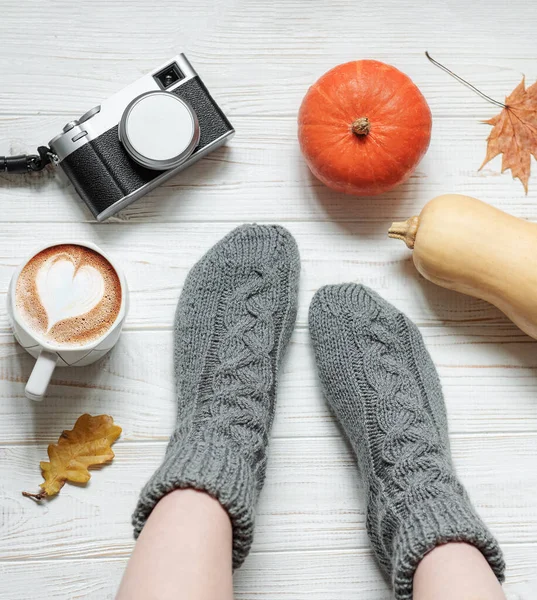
(405, 230)
(361, 126)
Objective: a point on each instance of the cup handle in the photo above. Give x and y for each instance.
(40, 375)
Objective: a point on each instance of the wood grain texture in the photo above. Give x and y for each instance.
(315, 575)
(258, 59)
(313, 498)
(156, 258)
(261, 176)
(489, 382)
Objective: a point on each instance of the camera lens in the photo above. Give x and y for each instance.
(159, 130)
(168, 76)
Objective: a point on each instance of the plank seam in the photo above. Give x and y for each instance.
(366, 550)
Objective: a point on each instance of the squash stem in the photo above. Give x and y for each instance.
(405, 231)
(361, 126)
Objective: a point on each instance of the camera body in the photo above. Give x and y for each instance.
(140, 137)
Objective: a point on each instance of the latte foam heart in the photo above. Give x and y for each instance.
(67, 292)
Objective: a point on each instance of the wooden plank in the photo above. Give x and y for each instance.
(156, 258)
(315, 575)
(489, 382)
(313, 497)
(261, 176)
(259, 59)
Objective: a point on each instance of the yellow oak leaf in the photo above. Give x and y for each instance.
(514, 133)
(86, 445)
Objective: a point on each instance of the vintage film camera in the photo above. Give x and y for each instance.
(141, 136)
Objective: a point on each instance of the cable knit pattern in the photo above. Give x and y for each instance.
(233, 323)
(382, 386)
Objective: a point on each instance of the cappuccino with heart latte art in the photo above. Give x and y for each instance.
(68, 294)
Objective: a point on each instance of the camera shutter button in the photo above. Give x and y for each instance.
(70, 126)
(159, 130)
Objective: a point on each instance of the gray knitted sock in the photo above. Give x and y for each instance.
(233, 322)
(383, 388)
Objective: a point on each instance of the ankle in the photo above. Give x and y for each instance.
(456, 571)
(196, 504)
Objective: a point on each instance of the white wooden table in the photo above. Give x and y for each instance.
(58, 59)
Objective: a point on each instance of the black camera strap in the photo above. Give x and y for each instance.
(26, 163)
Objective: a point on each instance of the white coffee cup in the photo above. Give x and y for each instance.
(51, 355)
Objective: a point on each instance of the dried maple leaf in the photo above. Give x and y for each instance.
(86, 445)
(514, 133)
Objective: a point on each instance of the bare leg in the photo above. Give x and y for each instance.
(183, 552)
(456, 571)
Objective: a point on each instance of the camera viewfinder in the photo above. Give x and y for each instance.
(168, 76)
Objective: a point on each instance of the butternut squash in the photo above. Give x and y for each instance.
(466, 245)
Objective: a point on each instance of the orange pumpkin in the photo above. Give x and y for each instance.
(363, 127)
